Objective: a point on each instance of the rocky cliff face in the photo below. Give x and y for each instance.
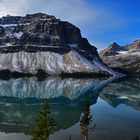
(42, 42)
(124, 57)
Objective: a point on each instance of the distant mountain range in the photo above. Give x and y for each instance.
(125, 57)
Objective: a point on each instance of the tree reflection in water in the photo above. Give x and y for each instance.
(136, 138)
(45, 123)
(85, 121)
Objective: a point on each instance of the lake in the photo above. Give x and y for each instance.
(114, 107)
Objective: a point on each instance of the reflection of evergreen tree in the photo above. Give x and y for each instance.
(136, 138)
(85, 120)
(69, 137)
(44, 124)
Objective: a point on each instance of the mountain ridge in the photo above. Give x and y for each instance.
(127, 57)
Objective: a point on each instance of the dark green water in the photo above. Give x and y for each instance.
(115, 107)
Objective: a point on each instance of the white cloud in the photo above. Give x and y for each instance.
(75, 11)
(13, 7)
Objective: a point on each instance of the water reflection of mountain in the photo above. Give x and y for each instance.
(126, 91)
(20, 99)
(31, 88)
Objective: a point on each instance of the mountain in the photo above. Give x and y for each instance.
(125, 57)
(42, 43)
(111, 50)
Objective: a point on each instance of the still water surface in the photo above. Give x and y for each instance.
(114, 107)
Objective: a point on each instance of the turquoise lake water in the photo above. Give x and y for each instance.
(115, 107)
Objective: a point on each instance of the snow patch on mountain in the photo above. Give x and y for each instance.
(8, 25)
(18, 35)
(73, 45)
(52, 63)
(123, 52)
(123, 97)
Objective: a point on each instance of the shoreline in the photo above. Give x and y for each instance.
(41, 74)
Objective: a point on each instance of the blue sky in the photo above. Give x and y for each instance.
(101, 21)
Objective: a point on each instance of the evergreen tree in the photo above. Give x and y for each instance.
(44, 124)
